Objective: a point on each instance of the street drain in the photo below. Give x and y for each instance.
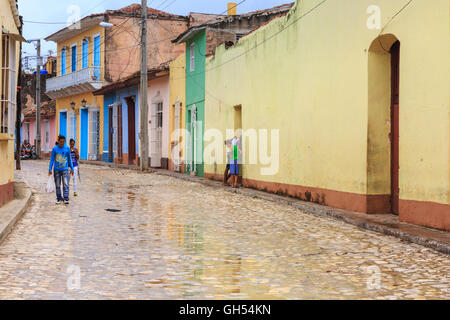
(113, 210)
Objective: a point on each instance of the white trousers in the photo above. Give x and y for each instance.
(75, 178)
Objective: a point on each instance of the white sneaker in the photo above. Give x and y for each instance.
(58, 202)
(66, 202)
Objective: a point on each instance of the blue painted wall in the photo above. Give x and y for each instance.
(111, 98)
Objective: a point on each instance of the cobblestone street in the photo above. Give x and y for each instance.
(174, 239)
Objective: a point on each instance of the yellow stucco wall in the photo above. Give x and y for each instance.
(309, 77)
(78, 41)
(7, 141)
(91, 100)
(63, 104)
(177, 93)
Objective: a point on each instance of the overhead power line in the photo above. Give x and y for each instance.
(53, 22)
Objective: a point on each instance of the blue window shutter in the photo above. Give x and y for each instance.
(63, 62)
(74, 58)
(85, 53)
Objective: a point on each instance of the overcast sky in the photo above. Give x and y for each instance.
(55, 11)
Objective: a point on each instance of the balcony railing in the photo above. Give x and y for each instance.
(84, 80)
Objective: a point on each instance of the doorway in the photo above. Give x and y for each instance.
(131, 129)
(383, 125)
(395, 133)
(94, 135)
(63, 124)
(193, 149)
(156, 134)
(238, 133)
(119, 133)
(110, 133)
(84, 134)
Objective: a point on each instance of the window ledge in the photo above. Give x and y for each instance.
(6, 137)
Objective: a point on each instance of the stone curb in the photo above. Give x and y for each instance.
(309, 208)
(13, 211)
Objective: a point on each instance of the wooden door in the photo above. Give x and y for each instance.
(111, 133)
(119, 133)
(131, 131)
(395, 133)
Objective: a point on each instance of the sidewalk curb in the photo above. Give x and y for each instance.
(410, 233)
(13, 211)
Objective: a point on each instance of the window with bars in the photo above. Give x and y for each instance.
(94, 135)
(159, 114)
(73, 126)
(192, 57)
(8, 85)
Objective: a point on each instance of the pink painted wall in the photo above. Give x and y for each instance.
(52, 133)
(158, 90)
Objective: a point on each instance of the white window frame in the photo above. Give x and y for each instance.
(192, 57)
(72, 120)
(93, 133)
(8, 86)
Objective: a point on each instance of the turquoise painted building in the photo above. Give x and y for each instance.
(201, 41)
(195, 101)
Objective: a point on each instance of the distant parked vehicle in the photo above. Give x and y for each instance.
(28, 152)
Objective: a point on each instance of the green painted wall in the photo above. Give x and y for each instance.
(195, 95)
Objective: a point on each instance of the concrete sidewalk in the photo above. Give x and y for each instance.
(387, 224)
(13, 211)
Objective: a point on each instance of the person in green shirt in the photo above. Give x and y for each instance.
(234, 165)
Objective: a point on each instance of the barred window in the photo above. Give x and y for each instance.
(160, 115)
(8, 85)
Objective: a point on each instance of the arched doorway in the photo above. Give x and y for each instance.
(383, 124)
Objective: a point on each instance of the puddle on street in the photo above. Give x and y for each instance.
(175, 239)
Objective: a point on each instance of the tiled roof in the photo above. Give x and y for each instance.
(227, 19)
(136, 8)
(48, 110)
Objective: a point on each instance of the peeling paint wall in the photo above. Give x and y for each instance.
(123, 50)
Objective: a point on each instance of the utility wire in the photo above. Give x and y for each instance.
(51, 22)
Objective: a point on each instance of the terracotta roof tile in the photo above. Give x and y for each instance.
(48, 110)
(136, 8)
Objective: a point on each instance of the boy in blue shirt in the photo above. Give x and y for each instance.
(61, 160)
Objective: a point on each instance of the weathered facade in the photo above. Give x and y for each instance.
(9, 64)
(122, 114)
(48, 126)
(122, 55)
(177, 114)
(48, 111)
(359, 115)
(201, 41)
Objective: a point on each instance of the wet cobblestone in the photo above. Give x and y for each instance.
(174, 239)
